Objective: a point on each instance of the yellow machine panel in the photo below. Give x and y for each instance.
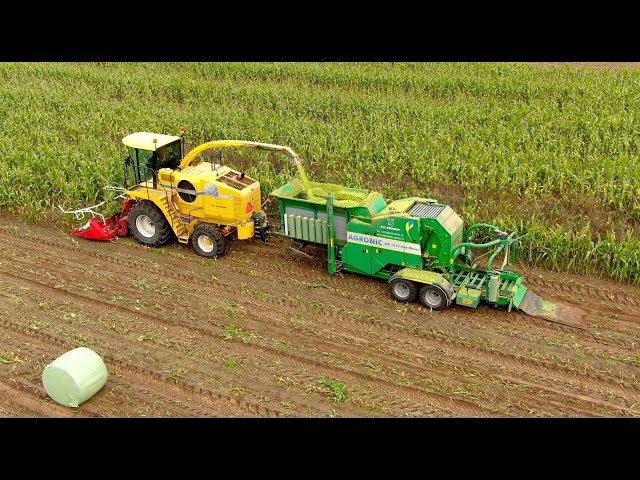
(245, 230)
(213, 193)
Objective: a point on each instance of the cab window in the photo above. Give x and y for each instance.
(169, 155)
(145, 164)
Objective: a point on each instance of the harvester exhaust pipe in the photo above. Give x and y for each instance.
(182, 132)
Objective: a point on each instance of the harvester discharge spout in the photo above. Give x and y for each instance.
(269, 147)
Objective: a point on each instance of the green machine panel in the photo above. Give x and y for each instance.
(369, 251)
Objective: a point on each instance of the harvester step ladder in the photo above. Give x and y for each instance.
(174, 219)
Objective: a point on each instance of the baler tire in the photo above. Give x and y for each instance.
(434, 290)
(398, 284)
(215, 236)
(163, 232)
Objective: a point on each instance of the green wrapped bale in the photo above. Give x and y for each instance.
(74, 377)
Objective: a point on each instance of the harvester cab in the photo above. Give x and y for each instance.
(147, 153)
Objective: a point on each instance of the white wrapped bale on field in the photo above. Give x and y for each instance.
(74, 377)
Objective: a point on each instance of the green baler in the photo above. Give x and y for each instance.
(417, 244)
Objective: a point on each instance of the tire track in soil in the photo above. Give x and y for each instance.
(103, 336)
(582, 411)
(139, 292)
(613, 310)
(106, 257)
(615, 293)
(605, 314)
(633, 302)
(414, 370)
(610, 301)
(146, 391)
(104, 400)
(497, 314)
(526, 321)
(153, 271)
(26, 403)
(471, 409)
(153, 381)
(249, 381)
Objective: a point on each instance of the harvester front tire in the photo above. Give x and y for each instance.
(433, 297)
(403, 290)
(148, 225)
(207, 240)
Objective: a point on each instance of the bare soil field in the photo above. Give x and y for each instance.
(264, 332)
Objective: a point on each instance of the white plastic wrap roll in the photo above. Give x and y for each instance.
(74, 377)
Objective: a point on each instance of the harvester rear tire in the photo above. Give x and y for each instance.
(403, 290)
(157, 231)
(432, 296)
(207, 240)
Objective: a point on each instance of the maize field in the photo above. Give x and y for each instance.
(549, 151)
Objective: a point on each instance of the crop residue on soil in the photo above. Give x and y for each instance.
(264, 332)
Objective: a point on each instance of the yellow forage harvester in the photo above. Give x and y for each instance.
(168, 193)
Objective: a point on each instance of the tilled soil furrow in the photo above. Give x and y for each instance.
(608, 385)
(148, 374)
(618, 295)
(615, 312)
(217, 336)
(525, 323)
(468, 407)
(541, 388)
(257, 304)
(27, 404)
(141, 391)
(303, 325)
(344, 284)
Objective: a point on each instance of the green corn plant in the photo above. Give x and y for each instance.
(550, 151)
